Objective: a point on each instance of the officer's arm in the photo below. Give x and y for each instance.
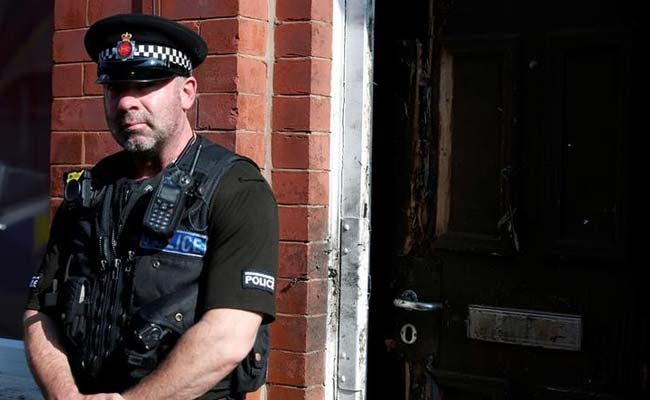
(46, 358)
(203, 356)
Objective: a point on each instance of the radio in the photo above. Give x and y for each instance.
(166, 205)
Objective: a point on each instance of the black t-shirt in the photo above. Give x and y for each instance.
(240, 262)
(242, 248)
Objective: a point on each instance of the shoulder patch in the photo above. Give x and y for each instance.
(258, 280)
(33, 283)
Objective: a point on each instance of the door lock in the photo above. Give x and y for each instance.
(408, 333)
(408, 300)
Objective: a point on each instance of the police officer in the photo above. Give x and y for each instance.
(159, 276)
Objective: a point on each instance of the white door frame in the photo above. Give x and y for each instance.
(350, 150)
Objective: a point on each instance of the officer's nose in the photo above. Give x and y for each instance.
(124, 97)
(127, 101)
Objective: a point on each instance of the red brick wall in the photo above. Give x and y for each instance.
(263, 92)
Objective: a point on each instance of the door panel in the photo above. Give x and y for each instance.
(502, 194)
(587, 94)
(476, 114)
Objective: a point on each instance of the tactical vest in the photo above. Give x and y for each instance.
(127, 295)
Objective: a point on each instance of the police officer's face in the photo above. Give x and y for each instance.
(142, 116)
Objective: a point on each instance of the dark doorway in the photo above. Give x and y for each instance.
(504, 200)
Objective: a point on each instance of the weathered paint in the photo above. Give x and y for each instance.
(525, 327)
(353, 141)
(336, 167)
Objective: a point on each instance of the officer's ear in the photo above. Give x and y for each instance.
(188, 92)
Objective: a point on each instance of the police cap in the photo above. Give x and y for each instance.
(142, 48)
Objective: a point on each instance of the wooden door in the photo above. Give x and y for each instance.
(502, 198)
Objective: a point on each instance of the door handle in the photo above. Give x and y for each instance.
(409, 301)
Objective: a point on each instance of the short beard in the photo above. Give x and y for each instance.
(149, 144)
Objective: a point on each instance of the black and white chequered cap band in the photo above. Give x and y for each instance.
(151, 51)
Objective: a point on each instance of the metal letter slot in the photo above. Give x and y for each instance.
(409, 301)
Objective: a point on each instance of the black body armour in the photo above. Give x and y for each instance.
(123, 301)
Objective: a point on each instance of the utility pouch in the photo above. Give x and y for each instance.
(251, 372)
(174, 311)
(156, 327)
(74, 305)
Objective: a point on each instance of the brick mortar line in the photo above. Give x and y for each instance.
(237, 92)
(290, 57)
(304, 21)
(86, 18)
(234, 91)
(301, 315)
(253, 57)
(81, 63)
(222, 18)
(301, 352)
(83, 78)
(303, 133)
(301, 94)
(218, 54)
(93, 96)
(295, 387)
(228, 131)
(306, 96)
(230, 18)
(298, 58)
(64, 30)
(233, 130)
(83, 148)
(235, 55)
(56, 63)
(78, 132)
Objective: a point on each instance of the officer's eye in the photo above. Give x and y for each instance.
(146, 86)
(135, 88)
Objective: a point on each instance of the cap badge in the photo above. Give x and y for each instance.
(125, 47)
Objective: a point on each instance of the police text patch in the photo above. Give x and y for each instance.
(258, 280)
(33, 283)
(183, 242)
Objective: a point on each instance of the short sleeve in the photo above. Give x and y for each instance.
(44, 279)
(242, 249)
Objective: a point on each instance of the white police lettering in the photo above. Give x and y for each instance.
(257, 280)
(183, 242)
(34, 281)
